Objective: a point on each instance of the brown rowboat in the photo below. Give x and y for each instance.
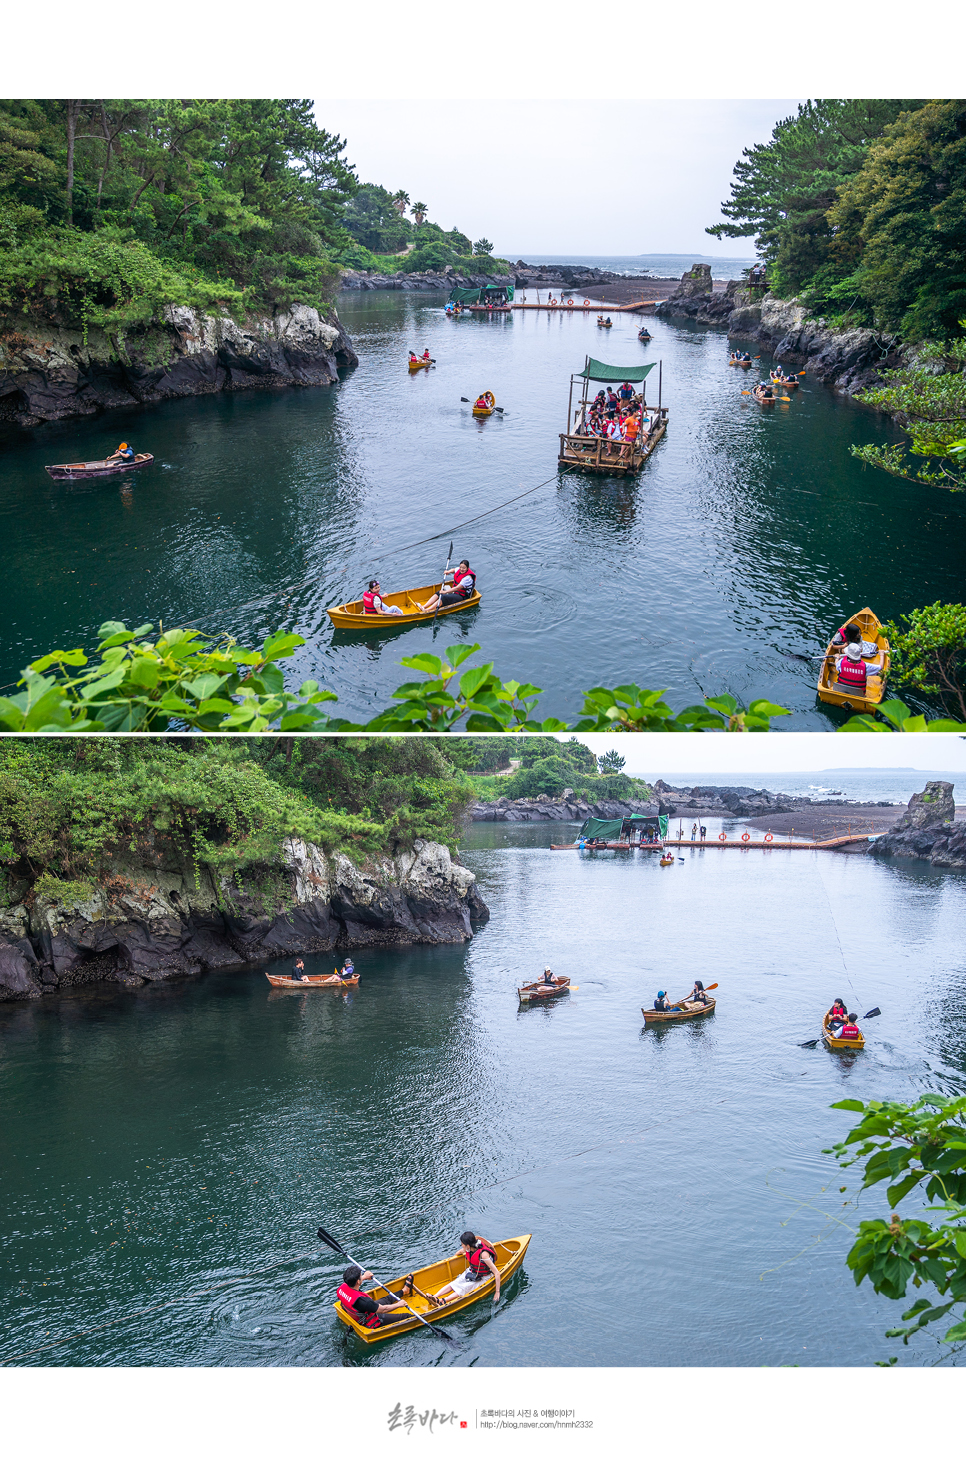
(314, 980)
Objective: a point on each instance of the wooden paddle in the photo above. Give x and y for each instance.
(436, 1330)
(440, 594)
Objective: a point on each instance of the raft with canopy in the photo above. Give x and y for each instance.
(610, 831)
(582, 450)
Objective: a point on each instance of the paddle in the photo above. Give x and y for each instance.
(440, 594)
(497, 408)
(333, 1244)
(782, 398)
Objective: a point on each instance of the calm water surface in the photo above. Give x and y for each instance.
(746, 539)
(161, 1143)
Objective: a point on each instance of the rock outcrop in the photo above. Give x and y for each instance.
(417, 281)
(568, 809)
(51, 372)
(742, 802)
(147, 925)
(700, 299)
(927, 830)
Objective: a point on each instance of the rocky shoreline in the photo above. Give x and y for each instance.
(929, 830)
(734, 802)
(847, 362)
(51, 372)
(155, 923)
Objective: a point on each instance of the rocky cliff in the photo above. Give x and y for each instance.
(149, 924)
(846, 362)
(564, 810)
(738, 802)
(927, 830)
(417, 281)
(50, 372)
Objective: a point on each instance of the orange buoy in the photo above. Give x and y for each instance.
(745, 838)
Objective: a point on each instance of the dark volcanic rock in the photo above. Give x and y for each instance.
(146, 927)
(49, 372)
(697, 299)
(927, 830)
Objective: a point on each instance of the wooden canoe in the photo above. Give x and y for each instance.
(313, 980)
(828, 688)
(542, 992)
(433, 1279)
(654, 1016)
(417, 363)
(353, 616)
(666, 862)
(739, 363)
(80, 470)
(785, 383)
(644, 335)
(761, 397)
(834, 1042)
(607, 324)
(489, 402)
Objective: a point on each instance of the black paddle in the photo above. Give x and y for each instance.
(872, 1013)
(497, 409)
(344, 1254)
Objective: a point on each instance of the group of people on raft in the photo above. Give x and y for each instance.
(697, 995)
(481, 1265)
(614, 416)
(853, 666)
(458, 584)
(843, 1023)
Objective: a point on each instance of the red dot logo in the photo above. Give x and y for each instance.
(463, 1425)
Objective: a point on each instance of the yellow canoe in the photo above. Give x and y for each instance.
(353, 616)
(489, 400)
(418, 363)
(834, 1042)
(433, 1279)
(828, 688)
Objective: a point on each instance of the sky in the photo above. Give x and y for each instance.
(649, 754)
(526, 174)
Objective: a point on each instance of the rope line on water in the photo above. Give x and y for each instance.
(296, 1258)
(838, 938)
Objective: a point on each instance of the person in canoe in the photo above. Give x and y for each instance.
(547, 982)
(852, 671)
(348, 969)
(698, 995)
(850, 1029)
(482, 403)
(464, 582)
(661, 1004)
(124, 453)
(426, 358)
(373, 604)
(298, 970)
(850, 634)
(362, 1307)
(837, 1014)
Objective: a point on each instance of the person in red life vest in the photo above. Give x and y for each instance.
(372, 603)
(837, 1014)
(425, 353)
(464, 582)
(852, 671)
(850, 1029)
(362, 1307)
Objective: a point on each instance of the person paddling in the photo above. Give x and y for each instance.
(348, 969)
(362, 1307)
(852, 671)
(464, 582)
(123, 453)
(850, 1029)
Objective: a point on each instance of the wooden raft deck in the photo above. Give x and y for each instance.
(837, 842)
(605, 457)
(599, 307)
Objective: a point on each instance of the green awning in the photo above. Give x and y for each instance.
(465, 294)
(611, 828)
(609, 373)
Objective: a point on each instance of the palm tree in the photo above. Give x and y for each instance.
(419, 212)
(400, 200)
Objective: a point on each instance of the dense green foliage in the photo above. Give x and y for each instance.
(548, 766)
(928, 399)
(73, 807)
(382, 238)
(930, 654)
(859, 207)
(919, 1147)
(109, 208)
(183, 679)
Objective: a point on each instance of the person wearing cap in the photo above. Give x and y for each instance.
(852, 670)
(547, 980)
(661, 1004)
(124, 452)
(348, 969)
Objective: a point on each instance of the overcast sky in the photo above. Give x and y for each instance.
(652, 754)
(530, 175)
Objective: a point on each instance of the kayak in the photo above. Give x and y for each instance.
(313, 980)
(352, 616)
(541, 992)
(79, 470)
(432, 1281)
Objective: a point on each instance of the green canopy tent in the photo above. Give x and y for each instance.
(465, 294)
(608, 373)
(612, 828)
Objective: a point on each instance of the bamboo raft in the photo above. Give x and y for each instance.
(352, 616)
(612, 457)
(829, 689)
(313, 980)
(430, 1282)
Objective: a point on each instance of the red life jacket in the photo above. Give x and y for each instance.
(836, 1012)
(349, 1294)
(474, 1258)
(368, 602)
(465, 593)
(852, 673)
(849, 1031)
